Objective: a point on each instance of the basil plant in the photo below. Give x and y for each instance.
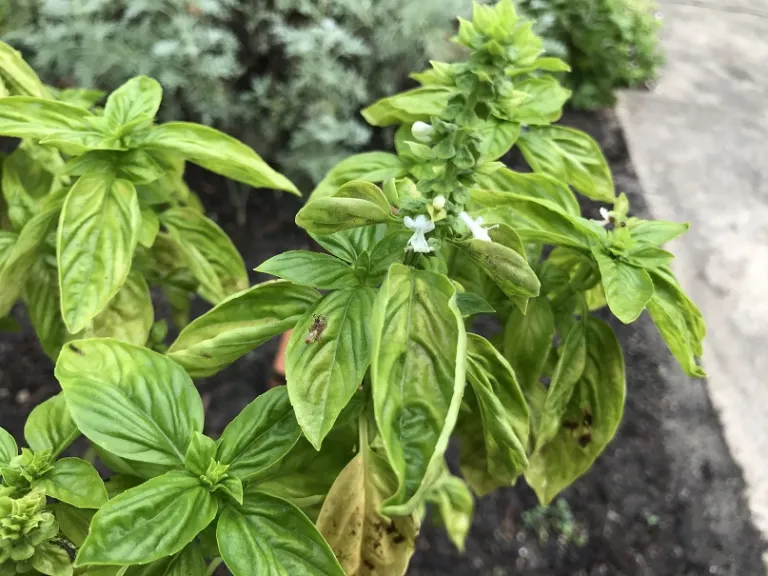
(332, 473)
(97, 210)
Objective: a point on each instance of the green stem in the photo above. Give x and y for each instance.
(213, 566)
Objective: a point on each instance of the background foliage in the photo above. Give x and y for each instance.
(294, 72)
(609, 44)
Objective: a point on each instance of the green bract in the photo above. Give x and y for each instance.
(331, 473)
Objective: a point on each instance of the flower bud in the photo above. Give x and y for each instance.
(422, 131)
(438, 202)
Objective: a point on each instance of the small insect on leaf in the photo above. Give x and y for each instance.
(319, 324)
(585, 439)
(587, 417)
(570, 425)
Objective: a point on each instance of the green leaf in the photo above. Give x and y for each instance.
(50, 427)
(22, 257)
(679, 322)
(73, 522)
(138, 98)
(146, 523)
(349, 245)
(570, 156)
(327, 357)
(354, 204)
(498, 137)
(97, 234)
(470, 304)
(646, 256)
(51, 558)
(8, 448)
(539, 186)
(538, 221)
(655, 232)
(217, 152)
(150, 226)
(311, 269)
(28, 117)
(209, 253)
(270, 535)
(569, 368)
(133, 402)
(527, 342)
(407, 107)
(455, 506)
(200, 452)
(591, 418)
(41, 295)
(369, 167)
(239, 324)
(418, 371)
(18, 75)
(189, 562)
(74, 482)
(504, 415)
(387, 251)
(501, 260)
(24, 182)
(362, 539)
(627, 289)
(128, 316)
(264, 432)
(544, 104)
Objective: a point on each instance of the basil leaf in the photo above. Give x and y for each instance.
(24, 182)
(128, 316)
(217, 152)
(50, 427)
(387, 251)
(407, 107)
(591, 418)
(454, 506)
(17, 74)
(264, 432)
(527, 342)
(498, 137)
(51, 558)
(503, 412)
(239, 324)
(73, 522)
(20, 259)
(209, 252)
(149, 228)
(470, 304)
(41, 295)
(363, 540)
(539, 186)
(28, 117)
(138, 98)
(544, 103)
(350, 244)
(353, 205)
(129, 400)
(502, 261)
(627, 288)
(311, 269)
(74, 482)
(538, 221)
(268, 534)
(326, 359)
(571, 156)
(418, 371)
(8, 448)
(679, 322)
(369, 166)
(156, 519)
(97, 235)
(569, 368)
(189, 562)
(655, 232)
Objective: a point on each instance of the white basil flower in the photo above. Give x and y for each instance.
(605, 214)
(475, 226)
(420, 226)
(422, 131)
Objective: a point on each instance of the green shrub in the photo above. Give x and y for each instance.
(285, 75)
(609, 44)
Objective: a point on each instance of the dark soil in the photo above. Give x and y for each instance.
(665, 499)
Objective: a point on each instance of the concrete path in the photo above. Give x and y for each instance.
(699, 143)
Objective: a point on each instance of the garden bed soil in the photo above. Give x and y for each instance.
(665, 499)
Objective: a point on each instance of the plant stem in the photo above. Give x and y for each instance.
(215, 563)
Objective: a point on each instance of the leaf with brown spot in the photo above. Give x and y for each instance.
(365, 542)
